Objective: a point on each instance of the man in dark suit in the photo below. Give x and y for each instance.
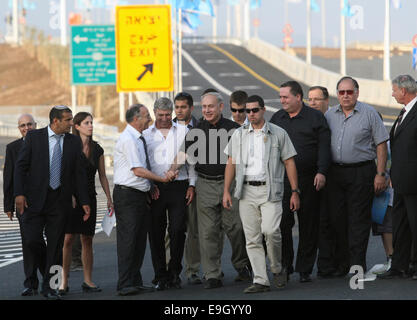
(25, 123)
(403, 141)
(48, 173)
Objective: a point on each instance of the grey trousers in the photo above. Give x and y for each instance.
(213, 219)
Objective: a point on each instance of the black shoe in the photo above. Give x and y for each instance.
(213, 283)
(154, 281)
(194, 279)
(63, 292)
(86, 288)
(305, 277)
(256, 287)
(29, 292)
(281, 279)
(244, 274)
(175, 282)
(161, 285)
(52, 295)
(128, 291)
(391, 274)
(145, 289)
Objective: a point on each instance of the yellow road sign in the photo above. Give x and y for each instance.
(144, 48)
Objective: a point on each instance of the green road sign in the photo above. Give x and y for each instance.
(93, 55)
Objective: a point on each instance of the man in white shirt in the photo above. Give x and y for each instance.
(164, 139)
(131, 186)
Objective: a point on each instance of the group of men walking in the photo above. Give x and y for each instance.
(193, 181)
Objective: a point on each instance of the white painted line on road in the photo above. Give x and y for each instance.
(247, 87)
(203, 51)
(186, 74)
(210, 79)
(219, 61)
(231, 74)
(10, 262)
(192, 88)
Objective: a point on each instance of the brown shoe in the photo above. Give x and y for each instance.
(280, 279)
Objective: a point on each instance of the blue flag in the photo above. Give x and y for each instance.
(314, 6)
(415, 58)
(346, 9)
(254, 4)
(205, 6)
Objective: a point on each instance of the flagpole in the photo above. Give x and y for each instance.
(63, 22)
(238, 22)
(214, 25)
(246, 21)
(387, 52)
(323, 24)
(308, 47)
(179, 50)
(342, 40)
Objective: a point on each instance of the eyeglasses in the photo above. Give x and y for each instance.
(238, 110)
(29, 124)
(315, 99)
(254, 110)
(343, 92)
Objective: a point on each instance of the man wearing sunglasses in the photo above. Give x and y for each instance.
(25, 123)
(258, 154)
(237, 106)
(358, 137)
(309, 132)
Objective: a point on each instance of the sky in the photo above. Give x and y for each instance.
(271, 15)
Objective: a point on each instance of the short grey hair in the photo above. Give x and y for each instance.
(26, 115)
(163, 103)
(133, 111)
(215, 94)
(405, 81)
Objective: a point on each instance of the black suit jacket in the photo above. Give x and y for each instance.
(404, 154)
(31, 177)
(12, 152)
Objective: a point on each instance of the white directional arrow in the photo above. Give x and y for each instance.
(79, 39)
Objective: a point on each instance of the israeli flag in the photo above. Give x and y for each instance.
(415, 58)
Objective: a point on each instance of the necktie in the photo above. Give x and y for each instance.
(55, 169)
(400, 118)
(148, 164)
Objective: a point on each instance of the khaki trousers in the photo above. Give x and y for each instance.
(261, 217)
(192, 245)
(212, 220)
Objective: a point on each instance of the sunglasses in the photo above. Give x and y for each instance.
(238, 110)
(254, 110)
(343, 92)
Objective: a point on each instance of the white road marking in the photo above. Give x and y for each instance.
(213, 61)
(247, 87)
(203, 51)
(192, 88)
(210, 79)
(186, 74)
(231, 74)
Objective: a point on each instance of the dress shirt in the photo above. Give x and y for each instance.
(162, 151)
(52, 141)
(255, 168)
(215, 139)
(129, 153)
(355, 137)
(310, 135)
(408, 107)
(246, 122)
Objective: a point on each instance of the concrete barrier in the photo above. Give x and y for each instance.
(373, 92)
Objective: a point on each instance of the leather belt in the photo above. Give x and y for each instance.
(255, 183)
(128, 188)
(213, 178)
(353, 165)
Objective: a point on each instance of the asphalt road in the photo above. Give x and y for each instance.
(228, 74)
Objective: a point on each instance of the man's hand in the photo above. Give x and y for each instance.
(227, 200)
(155, 193)
(10, 215)
(171, 175)
(319, 181)
(294, 202)
(86, 209)
(74, 202)
(379, 184)
(190, 195)
(21, 204)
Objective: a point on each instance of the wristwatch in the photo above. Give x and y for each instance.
(382, 174)
(296, 190)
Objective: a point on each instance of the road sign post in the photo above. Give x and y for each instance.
(144, 48)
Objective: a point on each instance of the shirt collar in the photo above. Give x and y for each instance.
(174, 125)
(411, 104)
(357, 108)
(51, 133)
(264, 129)
(135, 133)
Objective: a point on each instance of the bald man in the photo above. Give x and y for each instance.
(25, 123)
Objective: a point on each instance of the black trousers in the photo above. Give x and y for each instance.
(52, 219)
(308, 226)
(172, 201)
(31, 266)
(350, 194)
(132, 218)
(404, 223)
(325, 259)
